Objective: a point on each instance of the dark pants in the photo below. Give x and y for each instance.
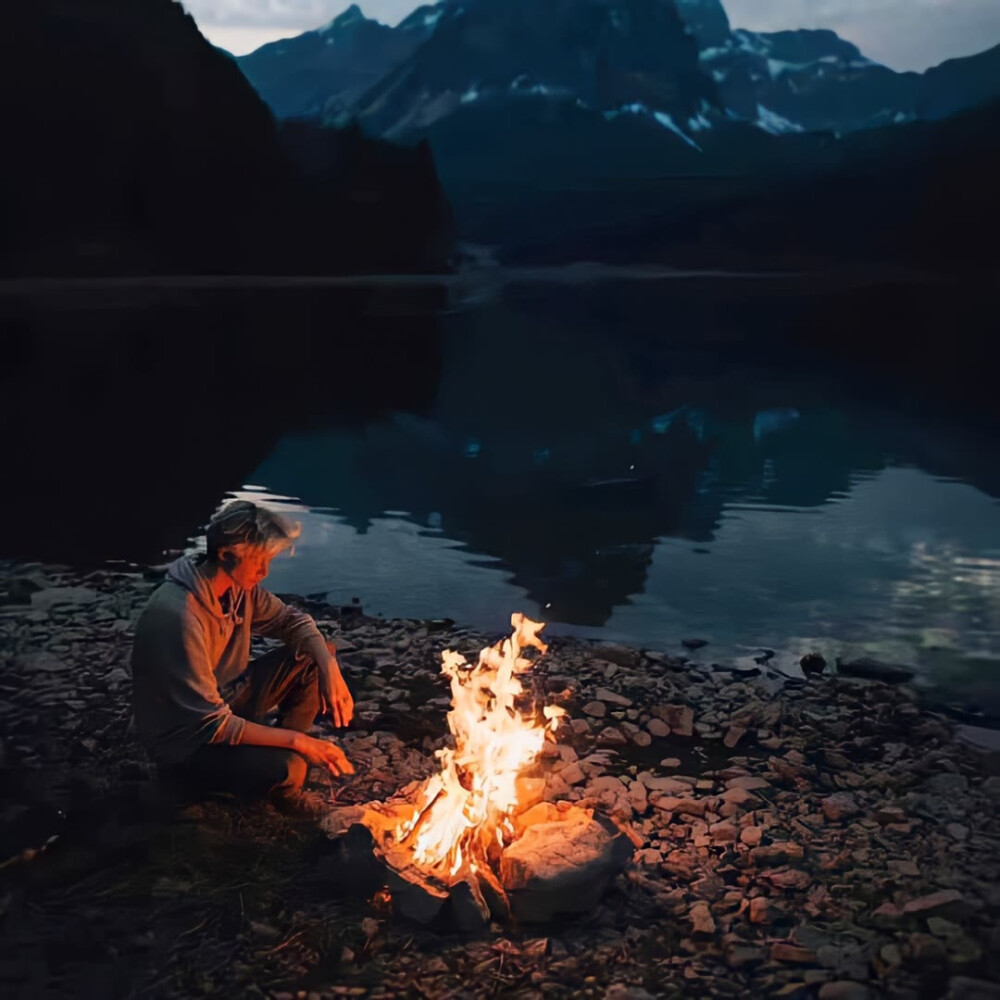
(276, 680)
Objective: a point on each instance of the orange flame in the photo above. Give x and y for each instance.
(475, 791)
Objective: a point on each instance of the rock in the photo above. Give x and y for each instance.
(875, 670)
(840, 806)
(530, 791)
(947, 784)
(117, 677)
(739, 796)
(612, 737)
(887, 916)
(680, 718)
(611, 698)
(649, 856)
(783, 952)
(750, 835)
(940, 927)
(621, 991)
(615, 653)
(638, 796)
(812, 664)
(658, 728)
(965, 988)
(556, 788)
(889, 814)
(694, 643)
(958, 832)
(596, 708)
(50, 597)
(642, 738)
(733, 735)
(685, 807)
(467, 907)
(701, 919)
(991, 787)
(562, 867)
(580, 727)
(668, 786)
(723, 833)
(572, 774)
(844, 990)
(924, 950)
(775, 854)
(948, 903)
(789, 878)
(747, 782)
(670, 762)
(762, 910)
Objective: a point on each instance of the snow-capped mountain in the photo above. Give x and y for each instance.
(814, 80)
(675, 63)
(298, 76)
(604, 56)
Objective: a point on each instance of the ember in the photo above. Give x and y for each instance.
(469, 835)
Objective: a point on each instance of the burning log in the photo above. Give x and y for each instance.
(476, 843)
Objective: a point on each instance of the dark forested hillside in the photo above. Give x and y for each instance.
(132, 145)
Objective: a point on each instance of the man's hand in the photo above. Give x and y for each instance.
(334, 696)
(323, 753)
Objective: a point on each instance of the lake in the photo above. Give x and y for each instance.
(643, 461)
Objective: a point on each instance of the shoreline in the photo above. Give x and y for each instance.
(829, 837)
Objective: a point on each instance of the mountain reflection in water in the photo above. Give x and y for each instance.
(645, 490)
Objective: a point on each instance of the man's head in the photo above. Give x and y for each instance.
(243, 537)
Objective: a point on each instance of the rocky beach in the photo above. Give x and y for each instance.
(825, 835)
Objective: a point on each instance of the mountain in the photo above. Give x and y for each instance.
(806, 80)
(603, 56)
(815, 80)
(578, 89)
(297, 76)
(132, 145)
(959, 83)
(922, 194)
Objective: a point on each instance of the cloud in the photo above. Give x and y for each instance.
(285, 14)
(903, 34)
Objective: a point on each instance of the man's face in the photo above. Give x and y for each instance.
(250, 567)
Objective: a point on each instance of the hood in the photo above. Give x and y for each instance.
(187, 572)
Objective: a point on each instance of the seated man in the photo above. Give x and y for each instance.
(193, 639)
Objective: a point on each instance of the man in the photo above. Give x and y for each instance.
(193, 639)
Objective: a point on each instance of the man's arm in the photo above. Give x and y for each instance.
(315, 751)
(275, 619)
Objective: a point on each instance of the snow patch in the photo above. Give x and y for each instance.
(667, 122)
(771, 121)
(432, 18)
(718, 75)
(472, 94)
(699, 123)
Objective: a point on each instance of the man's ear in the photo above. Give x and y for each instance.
(228, 558)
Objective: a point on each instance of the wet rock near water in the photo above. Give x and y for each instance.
(829, 838)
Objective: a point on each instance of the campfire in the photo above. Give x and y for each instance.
(477, 839)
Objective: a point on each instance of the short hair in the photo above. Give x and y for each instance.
(243, 522)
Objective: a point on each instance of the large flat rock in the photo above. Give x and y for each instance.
(563, 866)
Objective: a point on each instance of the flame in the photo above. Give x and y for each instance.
(474, 796)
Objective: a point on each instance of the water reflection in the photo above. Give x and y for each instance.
(803, 549)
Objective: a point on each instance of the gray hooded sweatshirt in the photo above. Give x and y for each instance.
(186, 648)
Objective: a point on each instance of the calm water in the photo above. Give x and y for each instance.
(643, 461)
(653, 470)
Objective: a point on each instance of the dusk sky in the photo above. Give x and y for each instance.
(903, 34)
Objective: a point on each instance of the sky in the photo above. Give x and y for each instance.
(903, 34)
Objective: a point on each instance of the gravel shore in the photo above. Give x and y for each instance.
(824, 836)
